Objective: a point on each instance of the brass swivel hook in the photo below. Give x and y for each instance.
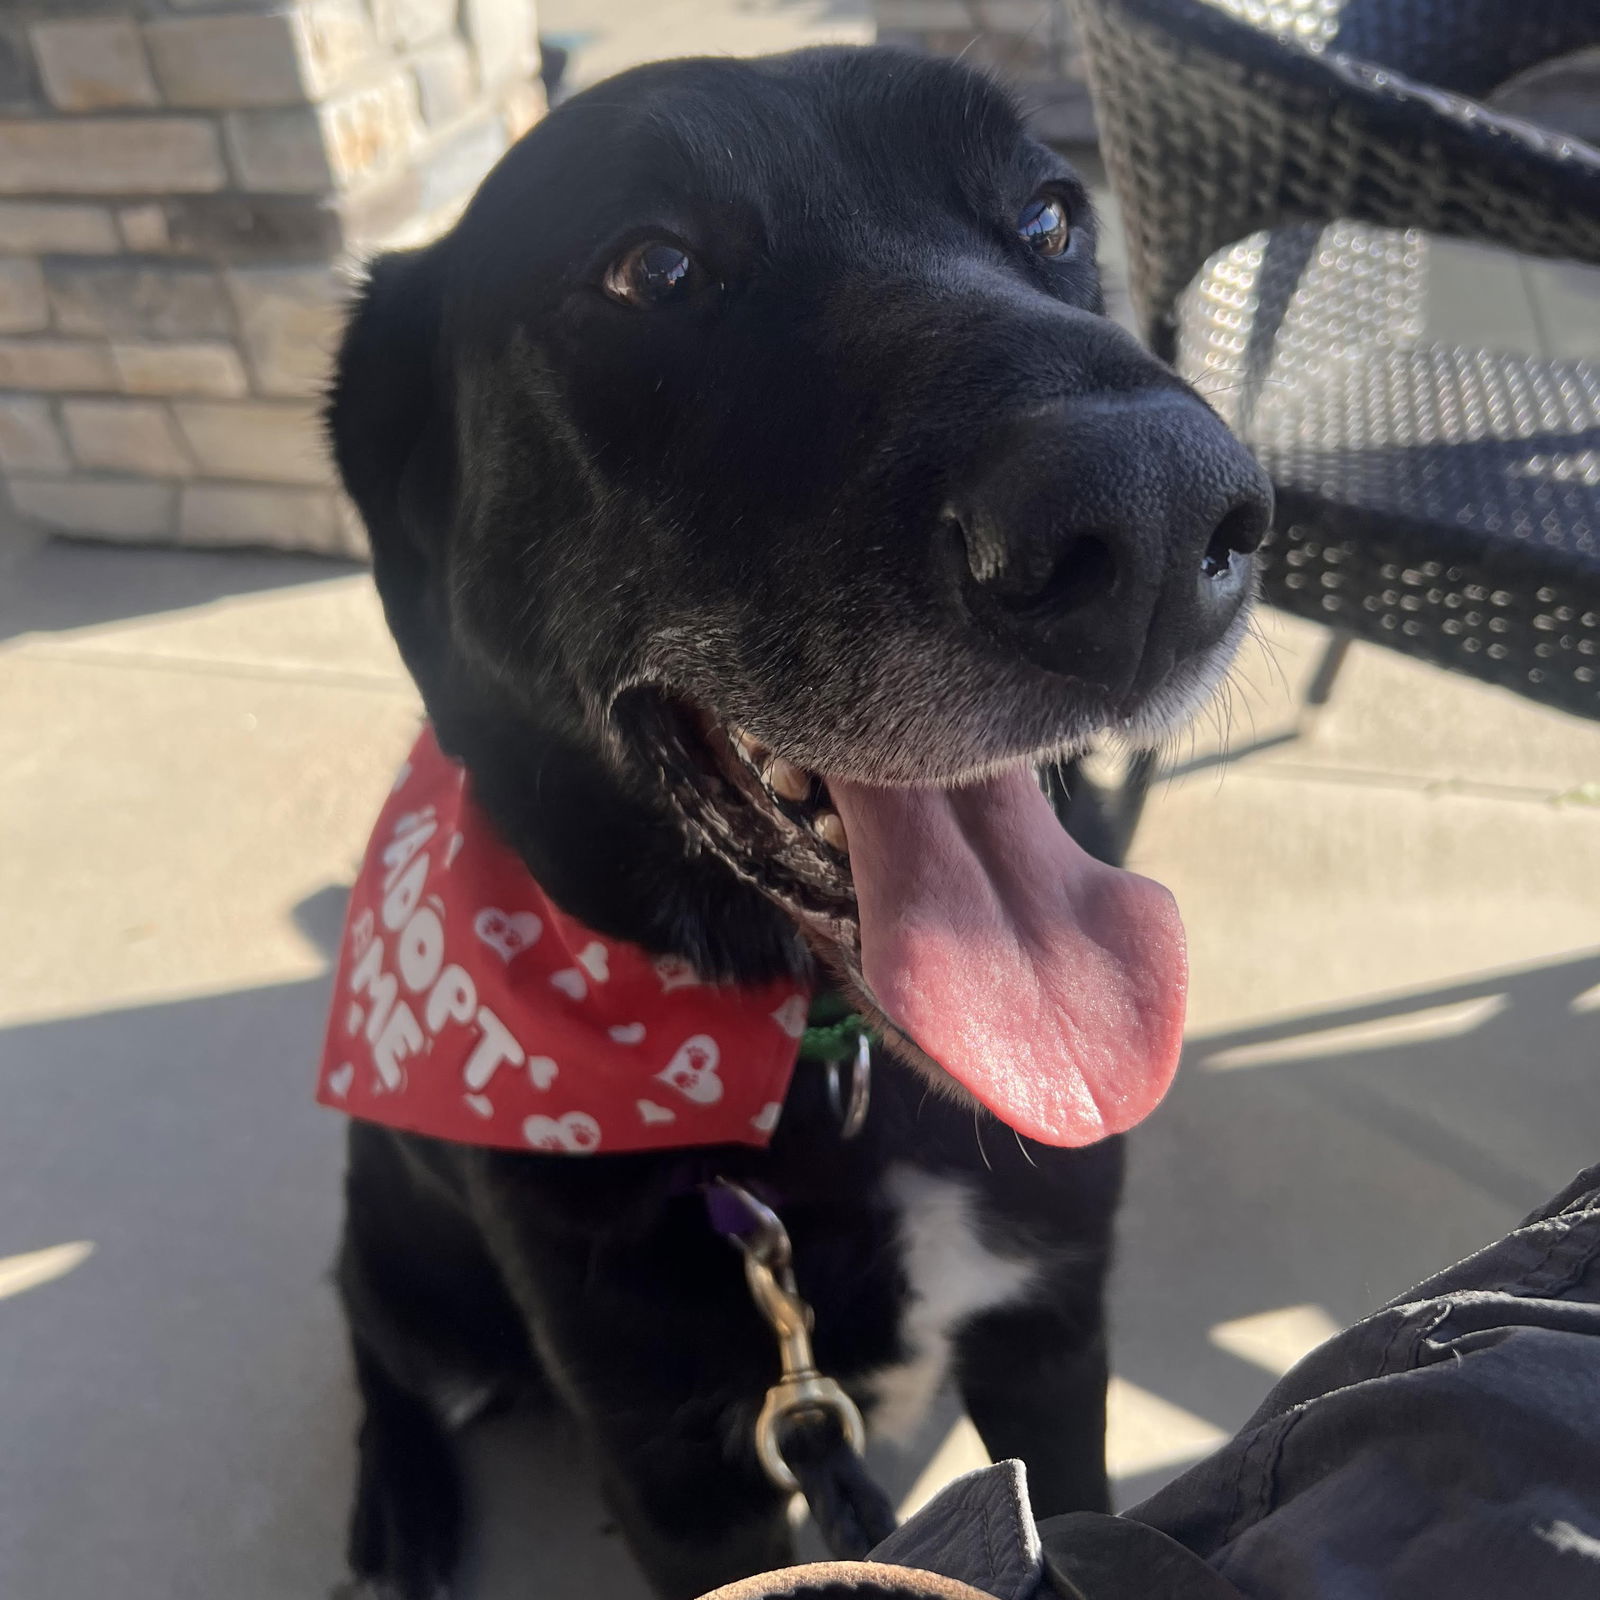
(769, 1271)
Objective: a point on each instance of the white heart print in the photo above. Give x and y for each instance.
(675, 973)
(352, 1018)
(542, 1071)
(628, 1033)
(413, 820)
(570, 982)
(791, 1015)
(340, 1079)
(593, 959)
(480, 1103)
(577, 1133)
(650, 1112)
(692, 1071)
(453, 849)
(507, 933)
(766, 1119)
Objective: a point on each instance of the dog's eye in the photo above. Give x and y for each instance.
(651, 274)
(1043, 225)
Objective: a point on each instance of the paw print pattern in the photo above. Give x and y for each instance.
(692, 1071)
(507, 933)
(576, 1133)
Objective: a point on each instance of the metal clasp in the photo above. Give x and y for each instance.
(769, 1270)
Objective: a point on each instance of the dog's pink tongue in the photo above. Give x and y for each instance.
(1050, 985)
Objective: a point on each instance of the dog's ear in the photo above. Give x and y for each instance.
(390, 416)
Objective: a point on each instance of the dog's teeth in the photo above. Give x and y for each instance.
(786, 779)
(830, 828)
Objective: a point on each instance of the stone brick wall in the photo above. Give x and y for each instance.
(183, 187)
(1030, 43)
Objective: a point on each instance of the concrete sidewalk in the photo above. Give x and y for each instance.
(604, 39)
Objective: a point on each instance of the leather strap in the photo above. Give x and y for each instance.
(848, 1580)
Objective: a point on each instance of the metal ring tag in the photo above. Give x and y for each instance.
(852, 1112)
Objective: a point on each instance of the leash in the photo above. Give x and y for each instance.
(809, 1434)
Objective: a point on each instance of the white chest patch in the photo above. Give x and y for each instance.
(951, 1275)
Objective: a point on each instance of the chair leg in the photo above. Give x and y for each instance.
(1103, 821)
(1088, 812)
(1131, 798)
(1127, 805)
(1321, 688)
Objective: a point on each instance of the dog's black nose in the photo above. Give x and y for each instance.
(1111, 535)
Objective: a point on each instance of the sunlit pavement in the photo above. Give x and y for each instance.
(607, 37)
(1394, 1042)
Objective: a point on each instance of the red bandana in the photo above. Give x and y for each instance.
(468, 1007)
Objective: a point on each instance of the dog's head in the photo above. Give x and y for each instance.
(757, 493)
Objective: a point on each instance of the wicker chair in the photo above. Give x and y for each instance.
(1279, 164)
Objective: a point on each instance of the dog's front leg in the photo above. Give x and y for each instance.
(646, 1332)
(1033, 1378)
(694, 1505)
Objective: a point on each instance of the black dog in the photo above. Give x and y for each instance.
(767, 407)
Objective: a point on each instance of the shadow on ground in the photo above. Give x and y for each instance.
(1336, 1159)
(177, 1409)
(58, 584)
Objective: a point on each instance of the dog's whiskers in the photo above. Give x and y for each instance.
(1269, 650)
(977, 1133)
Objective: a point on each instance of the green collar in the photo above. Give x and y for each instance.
(833, 1030)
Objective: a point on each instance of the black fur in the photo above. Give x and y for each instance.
(761, 502)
